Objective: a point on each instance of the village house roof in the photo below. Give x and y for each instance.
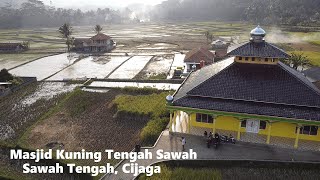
(263, 50)
(9, 45)
(100, 37)
(219, 42)
(82, 40)
(198, 54)
(272, 90)
(313, 73)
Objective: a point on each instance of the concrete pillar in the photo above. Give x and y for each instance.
(214, 124)
(170, 123)
(174, 121)
(239, 130)
(296, 142)
(269, 132)
(189, 122)
(181, 122)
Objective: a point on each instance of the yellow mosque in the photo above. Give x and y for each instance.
(251, 95)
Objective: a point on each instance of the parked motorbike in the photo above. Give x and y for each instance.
(226, 139)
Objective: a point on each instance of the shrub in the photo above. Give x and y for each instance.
(158, 76)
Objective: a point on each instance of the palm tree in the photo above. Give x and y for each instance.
(98, 29)
(211, 37)
(66, 30)
(297, 60)
(207, 34)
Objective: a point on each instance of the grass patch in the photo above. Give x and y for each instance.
(317, 43)
(153, 106)
(76, 109)
(182, 173)
(152, 130)
(149, 105)
(221, 169)
(135, 90)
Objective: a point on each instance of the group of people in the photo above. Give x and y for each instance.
(211, 139)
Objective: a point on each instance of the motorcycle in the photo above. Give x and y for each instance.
(226, 139)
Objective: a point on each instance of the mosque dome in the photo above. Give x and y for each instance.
(169, 98)
(258, 31)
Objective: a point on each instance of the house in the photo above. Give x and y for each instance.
(12, 47)
(313, 75)
(198, 58)
(252, 96)
(221, 48)
(98, 43)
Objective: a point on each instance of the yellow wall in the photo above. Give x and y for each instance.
(262, 61)
(280, 129)
(227, 123)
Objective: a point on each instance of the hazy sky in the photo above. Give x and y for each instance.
(99, 3)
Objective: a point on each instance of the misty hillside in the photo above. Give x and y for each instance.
(12, 3)
(291, 12)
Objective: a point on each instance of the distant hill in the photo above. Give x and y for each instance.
(292, 12)
(12, 3)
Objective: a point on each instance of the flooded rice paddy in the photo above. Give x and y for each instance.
(131, 67)
(72, 67)
(46, 91)
(158, 65)
(91, 67)
(45, 67)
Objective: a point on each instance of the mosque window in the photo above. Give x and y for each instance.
(263, 124)
(309, 130)
(204, 118)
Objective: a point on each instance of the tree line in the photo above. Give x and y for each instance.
(34, 13)
(290, 12)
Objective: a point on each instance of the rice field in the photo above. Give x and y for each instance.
(91, 67)
(131, 68)
(45, 67)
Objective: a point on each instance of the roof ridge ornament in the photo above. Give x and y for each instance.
(257, 34)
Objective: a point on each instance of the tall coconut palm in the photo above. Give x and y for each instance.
(66, 30)
(98, 28)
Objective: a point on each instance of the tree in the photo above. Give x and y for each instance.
(26, 44)
(66, 30)
(211, 37)
(5, 75)
(207, 34)
(98, 29)
(297, 60)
